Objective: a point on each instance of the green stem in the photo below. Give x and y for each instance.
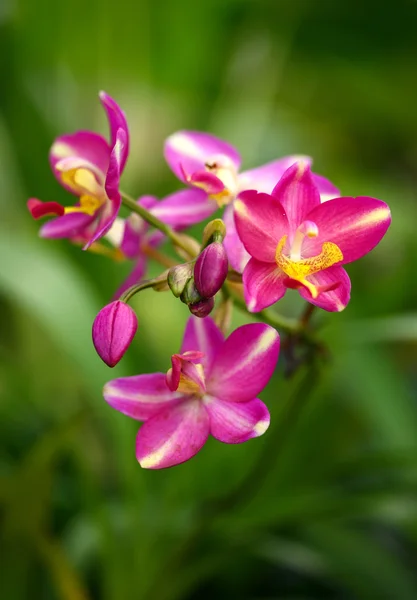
(147, 216)
(135, 289)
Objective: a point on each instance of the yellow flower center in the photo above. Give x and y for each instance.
(224, 170)
(188, 385)
(88, 205)
(83, 182)
(298, 268)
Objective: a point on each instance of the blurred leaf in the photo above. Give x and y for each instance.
(366, 568)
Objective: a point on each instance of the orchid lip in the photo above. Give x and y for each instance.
(224, 170)
(297, 268)
(88, 205)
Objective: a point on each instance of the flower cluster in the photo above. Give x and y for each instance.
(281, 227)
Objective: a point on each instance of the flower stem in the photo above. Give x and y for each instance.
(147, 216)
(135, 289)
(306, 315)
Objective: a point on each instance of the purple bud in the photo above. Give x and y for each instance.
(203, 308)
(113, 330)
(210, 269)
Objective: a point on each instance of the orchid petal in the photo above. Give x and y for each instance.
(134, 229)
(297, 194)
(67, 226)
(39, 209)
(186, 373)
(236, 252)
(134, 232)
(140, 396)
(207, 181)
(117, 120)
(263, 284)
(236, 422)
(355, 225)
(202, 335)
(188, 151)
(184, 208)
(90, 149)
(155, 238)
(244, 364)
(112, 207)
(147, 201)
(265, 178)
(173, 436)
(326, 188)
(337, 297)
(260, 222)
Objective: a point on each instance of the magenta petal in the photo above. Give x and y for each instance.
(356, 225)
(154, 238)
(206, 181)
(114, 202)
(261, 223)
(184, 208)
(334, 300)
(236, 422)
(184, 364)
(263, 284)
(297, 194)
(117, 120)
(135, 276)
(135, 229)
(133, 236)
(67, 226)
(173, 436)
(39, 209)
(327, 190)
(244, 364)
(265, 178)
(235, 250)
(140, 396)
(202, 335)
(91, 150)
(113, 330)
(188, 151)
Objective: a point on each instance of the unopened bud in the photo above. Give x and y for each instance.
(210, 269)
(190, 294)
(113, 330)
(215, 231)
(203, 308)
(178, 278)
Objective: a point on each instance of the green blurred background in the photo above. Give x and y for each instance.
(324, 505)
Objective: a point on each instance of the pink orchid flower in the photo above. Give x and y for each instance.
(211, 166)
(90, 168)
(210, 389)
(133, 236)
(296, 241)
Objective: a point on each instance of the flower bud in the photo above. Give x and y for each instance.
(215, 231)
(178, 277)
(113, 330)
(210, 269)
(190, 294)
(203, 308)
